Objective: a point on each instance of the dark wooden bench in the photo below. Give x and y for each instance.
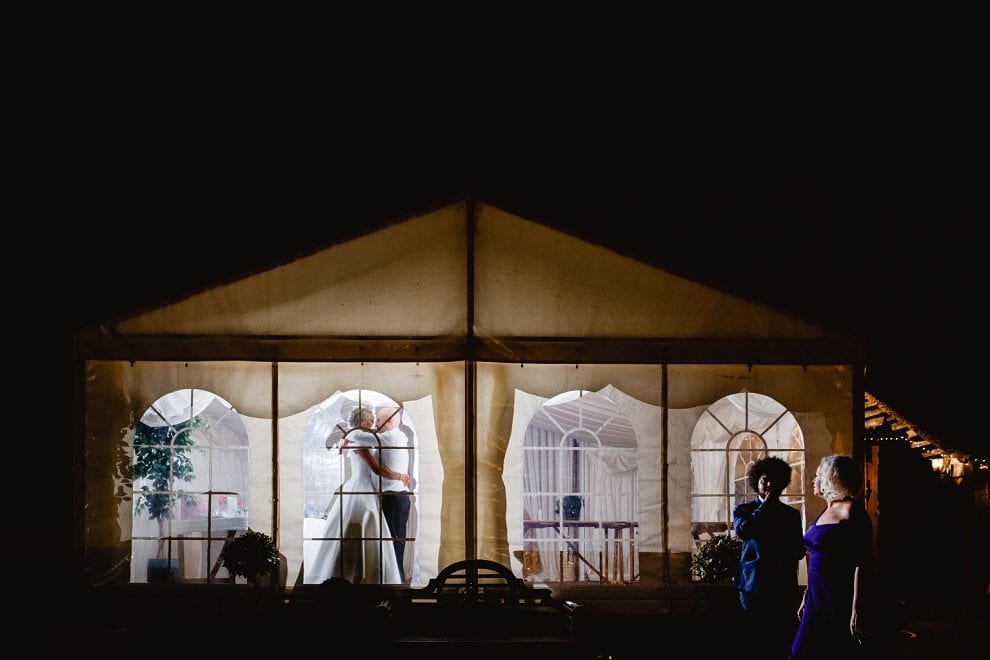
(480, 604)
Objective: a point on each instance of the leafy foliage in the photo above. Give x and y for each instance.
(717, 559)
(162, 454)
(250, 555)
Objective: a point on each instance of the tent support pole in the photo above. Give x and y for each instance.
(664, 475)
(470, 394)
(275, 497)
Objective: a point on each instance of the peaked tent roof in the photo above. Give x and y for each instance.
(467, 272)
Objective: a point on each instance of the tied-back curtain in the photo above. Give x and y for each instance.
(613, 474)
(541, 470)
(708, 464)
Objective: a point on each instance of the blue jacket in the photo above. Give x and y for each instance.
(772, 545)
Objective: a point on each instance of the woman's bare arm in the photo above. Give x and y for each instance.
(854, 619)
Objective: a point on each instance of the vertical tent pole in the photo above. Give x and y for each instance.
(470, 398)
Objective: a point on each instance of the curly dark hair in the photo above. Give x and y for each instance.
(776, 468)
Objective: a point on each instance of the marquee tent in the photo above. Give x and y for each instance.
(566, 410)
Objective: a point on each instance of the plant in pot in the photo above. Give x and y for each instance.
(162, 455)
(251, 555)
(715, 564)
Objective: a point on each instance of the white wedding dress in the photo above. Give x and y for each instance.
(355, 513)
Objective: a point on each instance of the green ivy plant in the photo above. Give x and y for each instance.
(717, 559)
(250, 555)
(162, 454)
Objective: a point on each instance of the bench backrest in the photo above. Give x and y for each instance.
(479, 581)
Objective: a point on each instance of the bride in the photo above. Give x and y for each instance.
(366, 554)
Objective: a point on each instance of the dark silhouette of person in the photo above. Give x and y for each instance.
(772, 545)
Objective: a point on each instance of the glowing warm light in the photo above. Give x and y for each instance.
(565, 397)
(937, 464)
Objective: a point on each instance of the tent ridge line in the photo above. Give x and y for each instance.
(384, 348)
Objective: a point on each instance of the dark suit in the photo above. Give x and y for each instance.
(773, 544)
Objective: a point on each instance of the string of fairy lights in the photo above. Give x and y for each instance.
(880, 429)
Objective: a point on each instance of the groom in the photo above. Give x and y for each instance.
(395, 492)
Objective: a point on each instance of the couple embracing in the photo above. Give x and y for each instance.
(370, 512)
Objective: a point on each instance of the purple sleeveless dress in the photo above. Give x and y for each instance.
(834, 552)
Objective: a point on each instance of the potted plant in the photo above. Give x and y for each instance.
(715, 565)
(251, 555)
(162, 455)
(717, 559)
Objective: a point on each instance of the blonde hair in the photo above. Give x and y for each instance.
(839, 477)
(363, 418)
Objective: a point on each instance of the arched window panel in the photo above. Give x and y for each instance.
(334, 526)
(190, 490)
(366, 531)
(207, 422)
(757, 426)
(815, 421)
(583, 446)
(578, 484)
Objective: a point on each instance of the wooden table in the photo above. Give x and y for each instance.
(611, 566)
(213, 529)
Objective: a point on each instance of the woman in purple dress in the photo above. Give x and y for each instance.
(840, 551)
